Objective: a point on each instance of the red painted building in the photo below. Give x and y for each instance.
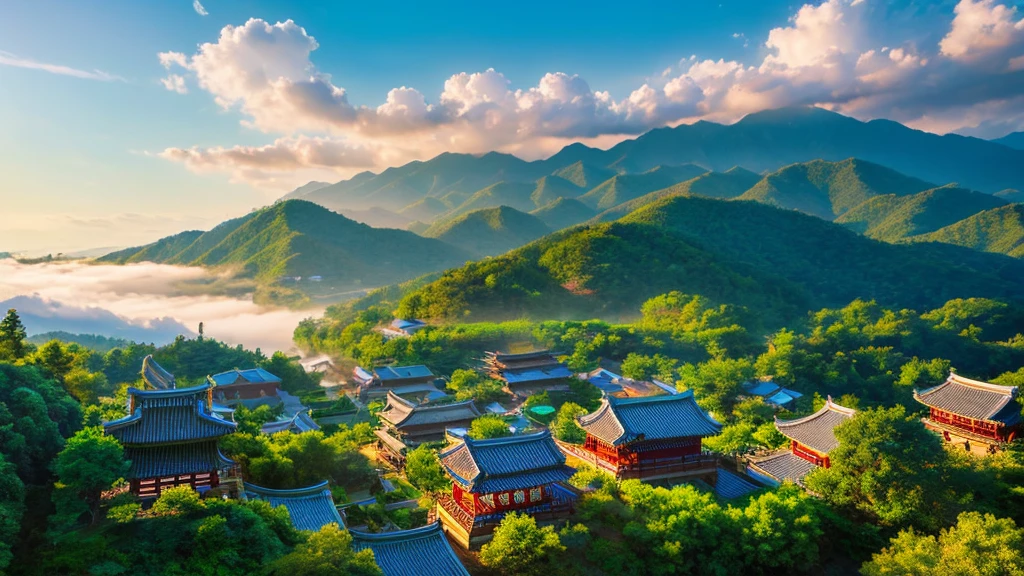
(811, 438)
(977, 415)
(493, 477)
(648, 437)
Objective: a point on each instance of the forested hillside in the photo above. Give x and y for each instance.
(489, 231)
(998, 230)
(892, 218)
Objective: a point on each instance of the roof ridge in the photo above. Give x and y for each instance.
(653, 398)
(420, 532)
(286, 492)
(981, 385)
(829, 406)
(168, 393)
(506, 440)
(407, 403)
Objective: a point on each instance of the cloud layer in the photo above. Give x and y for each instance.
(960, 71)
(143, 298)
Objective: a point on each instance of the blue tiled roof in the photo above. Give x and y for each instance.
(536, 374)
(621, 420)
(761, 388)
(730, 485)
(155, 375)
(783, 466)
(387, 373)
(310, 508)
(418, 552)
(250, 376)
(166, 416)
(174, 459)
(400, 324)
(506, 463)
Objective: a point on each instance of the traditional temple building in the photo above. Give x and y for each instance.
(811, 439)
(170, 436)
(252, 386)
(421, 551)
(401, 328)
(648, 437)
(493, 477)
(155, 376)
(977, 415)
(399, 379)
(407, 424)
(310, 508)
(528, 371)
(297, 424)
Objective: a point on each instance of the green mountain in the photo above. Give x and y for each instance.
(1013, 140)
(892, 218)
(584, 175)
(489, 231)
(775, 261)
(998, 230)
(312, 186)
(828, 189)
(378, 218)
(1010, 195)
(425, 209)
(514, 194)
(625, 187)
(298, 238)
(563, 213)
(550, 188)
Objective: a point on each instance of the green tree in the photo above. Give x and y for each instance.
(89, 464)
(520, 547)
(780, 531)
(424, 470)
(565, 427)
(178, 500)
(887, 468)
(327, 552)
(489, 426)
(978, 545)
(86, 386)
(12, 498)
(12, 337)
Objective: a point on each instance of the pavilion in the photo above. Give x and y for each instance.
(811, 439)
(979, 416)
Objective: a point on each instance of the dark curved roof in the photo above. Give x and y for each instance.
(784, 466)
(512, 463)
(817, 431)
(622, 420)
(421, 551)
(310, 508)
(174, 459)
(401, 412)
(973, 399)
(155, 375)
(169, 416)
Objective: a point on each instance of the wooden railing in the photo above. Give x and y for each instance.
(662, 466)
(982, 429)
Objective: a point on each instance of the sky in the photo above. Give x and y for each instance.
(123, 121)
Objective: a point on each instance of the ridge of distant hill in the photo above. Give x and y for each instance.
(625, 187)
(299, 238)
(1010, 195)
(892, 218)
(514, 194)
(424, 209)
(550, 188)
(584, 175)
(563, 213)
(828, 189)
(999, 230)
(1013, 140)
(489, 231)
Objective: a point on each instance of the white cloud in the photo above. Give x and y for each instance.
(8, 59)
(175, 83)
(198, 7)
(866, 58)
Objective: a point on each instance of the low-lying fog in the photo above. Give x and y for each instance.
(143, 302)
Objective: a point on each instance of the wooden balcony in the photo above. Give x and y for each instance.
(695, 465)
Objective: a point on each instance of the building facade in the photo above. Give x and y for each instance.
(977, 415)
(527, 372)
(245, 385)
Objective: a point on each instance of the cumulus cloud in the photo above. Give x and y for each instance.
(961, 70)
(141, 299)
(198, 7)
(8, 59)
(175, 83)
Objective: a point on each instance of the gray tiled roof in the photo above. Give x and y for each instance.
(174, 459)
(389, 373)
(310, 508)
(155, 375)
(402, 413)
(167, 416)
(973, 399)
(622, 420)
(730, 485)
(418, 552)
(301, 422)
(817, 431)
(250, 376)
(785, 466)
(506, 463)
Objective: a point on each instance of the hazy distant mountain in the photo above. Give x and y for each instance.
(514, 194)
(563, 213)
(489, 231)
(998, 230)
(424, 209)
(297, 238)
(41, 315)
(625, 187)
(1013, 140)
(584, 175)
(1010, 195)
(378, 218)
(891, 217)
(828, 189)
(310, 187)
(552, 187)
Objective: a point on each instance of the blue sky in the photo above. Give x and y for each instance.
(100, 152)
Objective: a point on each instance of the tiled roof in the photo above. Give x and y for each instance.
(502, 357)
(386, 373)
(167, 416)
(817, 431)
(299, 423)
(730, 485)
(506, 463)
(174, 459)
(622, 420)
(250, 376)
(155, 375)
(401, 324)
(554, 372)
(402, 413)
(973, 399)
(396, 445)
(310, 508)
(784, 466)
(418, 552)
